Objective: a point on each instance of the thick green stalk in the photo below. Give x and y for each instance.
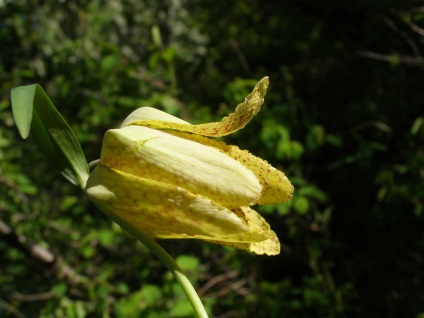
(173, 267)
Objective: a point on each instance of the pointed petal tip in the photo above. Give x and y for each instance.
(270, 247)
(258, 239)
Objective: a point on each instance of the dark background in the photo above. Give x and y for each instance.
(343, 119)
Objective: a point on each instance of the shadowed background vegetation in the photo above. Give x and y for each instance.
(344, 119)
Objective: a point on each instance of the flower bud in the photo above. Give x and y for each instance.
(169, 180)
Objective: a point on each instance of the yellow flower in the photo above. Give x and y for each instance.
(167, 179)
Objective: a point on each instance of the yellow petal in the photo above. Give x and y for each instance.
(259, 238)
(233, 122)
(269, 247)
(158, 209)
(258, 230)
(276, 187)
(200, 169)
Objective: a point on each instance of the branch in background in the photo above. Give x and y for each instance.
(19, 242)
(242, 58)
(11, 185)
(372, 123)
(393, 58)
(233, 287)
(216, 280)
(416, 29)
(404, 35)
(33, 297)
(54, 263)
(4, 305)
(237, 286)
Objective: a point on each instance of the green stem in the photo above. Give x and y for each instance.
(181, 278)
(93, 164)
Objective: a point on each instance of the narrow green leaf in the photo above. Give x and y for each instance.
(22, 105)
(33, 111)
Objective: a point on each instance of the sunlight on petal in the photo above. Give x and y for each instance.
(149, 113)
(276, 187)
(153, 154)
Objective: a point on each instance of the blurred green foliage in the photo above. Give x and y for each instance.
(343, 118)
